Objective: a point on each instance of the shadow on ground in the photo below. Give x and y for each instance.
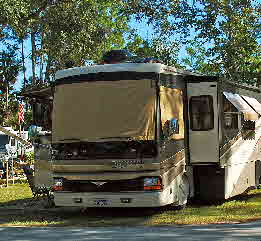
(32, 212)
(35, 213)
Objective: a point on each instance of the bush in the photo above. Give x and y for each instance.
(29, 158)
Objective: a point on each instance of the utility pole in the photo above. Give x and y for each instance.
(13, 169)
(7, 172)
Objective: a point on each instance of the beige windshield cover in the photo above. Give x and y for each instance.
(91, 111)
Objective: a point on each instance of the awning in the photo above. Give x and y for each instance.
(254, 103)
(241, 105)
(18, 138)
(44, 93)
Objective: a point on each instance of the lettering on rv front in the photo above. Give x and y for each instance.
(127, 163)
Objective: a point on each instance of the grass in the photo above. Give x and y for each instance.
(245, 208)
(14, 193)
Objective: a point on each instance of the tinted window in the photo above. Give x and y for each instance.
(201, 113)
(42, 114)
(4, 140)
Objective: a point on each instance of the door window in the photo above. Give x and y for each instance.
(201, 113)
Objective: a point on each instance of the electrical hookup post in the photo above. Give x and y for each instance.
(21, 121)
(7, 171)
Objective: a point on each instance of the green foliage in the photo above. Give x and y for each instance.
(221, 36)
(235, 204)
(9, 117)
(29, 158)
(159, 48)
(233, 29)
(10, 66)
(225, 34)
(63, 31)
(198, 59)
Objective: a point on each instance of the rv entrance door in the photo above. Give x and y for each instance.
(203, 121)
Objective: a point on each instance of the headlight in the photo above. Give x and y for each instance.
(75, 152)
(152, 183)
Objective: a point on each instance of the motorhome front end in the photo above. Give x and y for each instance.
(145, 135)
(118, 136)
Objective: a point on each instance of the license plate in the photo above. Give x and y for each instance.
(101, 202)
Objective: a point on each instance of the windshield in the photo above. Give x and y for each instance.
(95, 111)
(4, 139)
(114, 149)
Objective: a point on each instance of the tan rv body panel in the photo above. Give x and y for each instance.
(43, 175)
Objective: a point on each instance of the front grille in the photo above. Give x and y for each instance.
(109, 186)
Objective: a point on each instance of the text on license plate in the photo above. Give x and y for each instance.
(101, 202)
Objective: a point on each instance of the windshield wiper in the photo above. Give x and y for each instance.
(71, 139)
(116, 137)
(100, 139)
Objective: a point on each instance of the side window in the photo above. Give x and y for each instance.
(42, 114)
(201, 113)
(37, 113)
(230, 115)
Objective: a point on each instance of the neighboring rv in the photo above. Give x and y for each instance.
(145, 135)
(12, 145)
(10, 142)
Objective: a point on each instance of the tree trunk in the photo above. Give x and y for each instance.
(23, 60)
(47, 71)
(7, 96)
(33, 56)
(42, 58)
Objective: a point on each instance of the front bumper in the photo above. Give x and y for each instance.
(122, 199)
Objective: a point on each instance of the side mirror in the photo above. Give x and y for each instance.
(228, 120)
(33, 132)
(166, 129)
(171, 127)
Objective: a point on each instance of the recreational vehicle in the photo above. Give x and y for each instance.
(12, 142)
(146, 135)
(12, 145)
